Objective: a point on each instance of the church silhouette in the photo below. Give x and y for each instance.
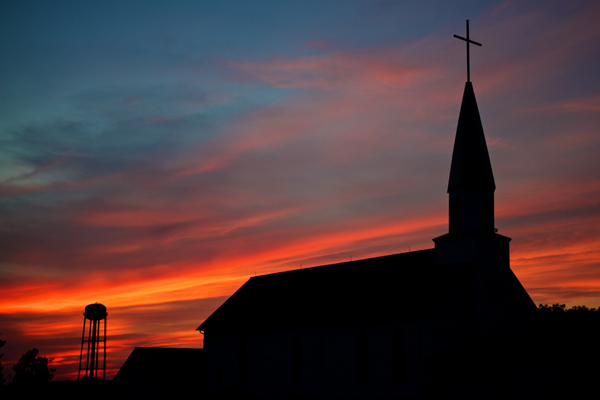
(383, 327)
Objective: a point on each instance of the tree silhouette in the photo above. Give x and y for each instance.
(32, 369)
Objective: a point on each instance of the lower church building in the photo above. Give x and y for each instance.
(398, 326)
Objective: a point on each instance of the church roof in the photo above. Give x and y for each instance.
(387, 289)
(471, 167)
(380, 289)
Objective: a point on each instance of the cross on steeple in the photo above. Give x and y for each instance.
(468, 55)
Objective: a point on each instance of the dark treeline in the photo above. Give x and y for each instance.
(565, 348)
(555, 359)
(568, 337)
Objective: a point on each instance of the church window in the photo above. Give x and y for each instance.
(242, 361)
(361, 359)
(456, 216)
(297, 361)
(493, 287)
(488, 218)
(398, 357)
(320, 376)
(218, 379)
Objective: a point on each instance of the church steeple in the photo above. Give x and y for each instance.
(472, 246)
(471, 185)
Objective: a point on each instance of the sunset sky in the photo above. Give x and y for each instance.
(154, 155)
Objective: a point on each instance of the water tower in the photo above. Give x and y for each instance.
(96, 313)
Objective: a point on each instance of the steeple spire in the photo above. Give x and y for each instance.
(471, 167)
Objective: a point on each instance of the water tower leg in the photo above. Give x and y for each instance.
(105, 322)
(97, 349)
(81, 351)
(87, 363)
(93, 352)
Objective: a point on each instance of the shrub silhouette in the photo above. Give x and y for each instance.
(33, 369)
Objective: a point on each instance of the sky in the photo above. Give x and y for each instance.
(154, 155)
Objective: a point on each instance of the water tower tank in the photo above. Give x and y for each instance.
(95, 312)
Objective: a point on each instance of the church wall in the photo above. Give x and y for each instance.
(220, 361)
(340, 361)
(270, 355)
(329, 361)
(451, 325)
